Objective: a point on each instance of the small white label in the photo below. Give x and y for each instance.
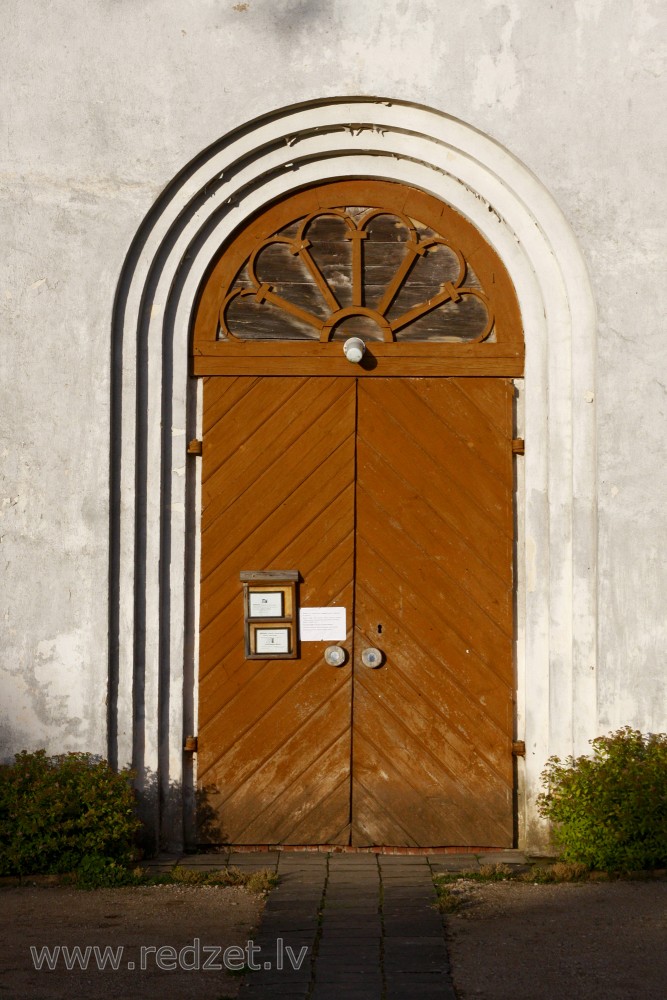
(272, 640)
(266, 604)
(322, 624)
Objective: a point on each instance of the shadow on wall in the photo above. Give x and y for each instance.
(200, 820)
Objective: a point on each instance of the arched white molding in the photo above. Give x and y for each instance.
(154, 488)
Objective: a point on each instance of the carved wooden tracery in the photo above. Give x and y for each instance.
(365, 258)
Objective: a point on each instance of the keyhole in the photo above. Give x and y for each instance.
(379, 629)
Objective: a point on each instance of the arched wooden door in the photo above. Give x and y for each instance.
(388, 487)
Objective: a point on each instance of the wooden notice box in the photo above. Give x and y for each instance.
(269, 603)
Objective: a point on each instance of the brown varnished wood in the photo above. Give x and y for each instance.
(334, 363)
(218, 634)
(275, 532)
(274, 736)
(433, 727)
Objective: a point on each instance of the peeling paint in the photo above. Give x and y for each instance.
(497, 81)
(48, 694)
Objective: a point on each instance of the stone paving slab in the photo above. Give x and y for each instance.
(268, 859)
(288, 932)
(393, 930)
(294, 978)
(394, 882)
(362, 887)
(407, 989)
(292, 862)
(349, 953)
(303, 878)
(369, 978)
(502, 858)
(424, 960)
(396, 860)
(419, 891)
(275, 992)
(306, 894)
(196, 865)
(335, 860)
(270, 931)
(333, 992)
(338, 991)
(417, 908)
(345, 930)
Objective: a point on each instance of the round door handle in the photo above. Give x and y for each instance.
(354, 349)
(372, 657)
(335, 656)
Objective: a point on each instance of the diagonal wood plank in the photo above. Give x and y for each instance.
(411, 414)
(282, 522)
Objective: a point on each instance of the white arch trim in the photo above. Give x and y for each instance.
(154, 566)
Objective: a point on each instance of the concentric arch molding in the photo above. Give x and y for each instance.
(154, 501)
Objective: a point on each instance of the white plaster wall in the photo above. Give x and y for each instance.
(104, 102)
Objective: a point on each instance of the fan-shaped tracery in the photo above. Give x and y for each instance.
(373, 259)
(358, 232)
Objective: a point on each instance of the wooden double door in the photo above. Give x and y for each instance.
(392, 498)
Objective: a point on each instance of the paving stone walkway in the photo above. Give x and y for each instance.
(360, 926)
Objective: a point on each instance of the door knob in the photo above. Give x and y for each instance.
(372, 657)
(354, 349)
(335, 656)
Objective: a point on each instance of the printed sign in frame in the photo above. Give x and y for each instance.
(270, 620)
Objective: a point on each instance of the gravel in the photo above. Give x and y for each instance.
(151, 917)
(579, 941)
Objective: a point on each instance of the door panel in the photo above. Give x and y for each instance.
(392, 498)
(278, 492)
(432, 727)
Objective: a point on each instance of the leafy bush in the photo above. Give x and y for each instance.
(98, 872)
(610, 810)
(58, 813)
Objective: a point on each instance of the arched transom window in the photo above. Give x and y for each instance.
(365, 258)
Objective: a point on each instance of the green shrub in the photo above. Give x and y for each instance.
(610, 810)
(57, 813)
(97, 872)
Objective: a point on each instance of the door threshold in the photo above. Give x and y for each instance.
(345, 849)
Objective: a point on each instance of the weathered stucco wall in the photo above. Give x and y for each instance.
(105, 102)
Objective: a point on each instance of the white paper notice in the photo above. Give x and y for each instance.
(266, 604)
(322, 624)
(272, 640)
